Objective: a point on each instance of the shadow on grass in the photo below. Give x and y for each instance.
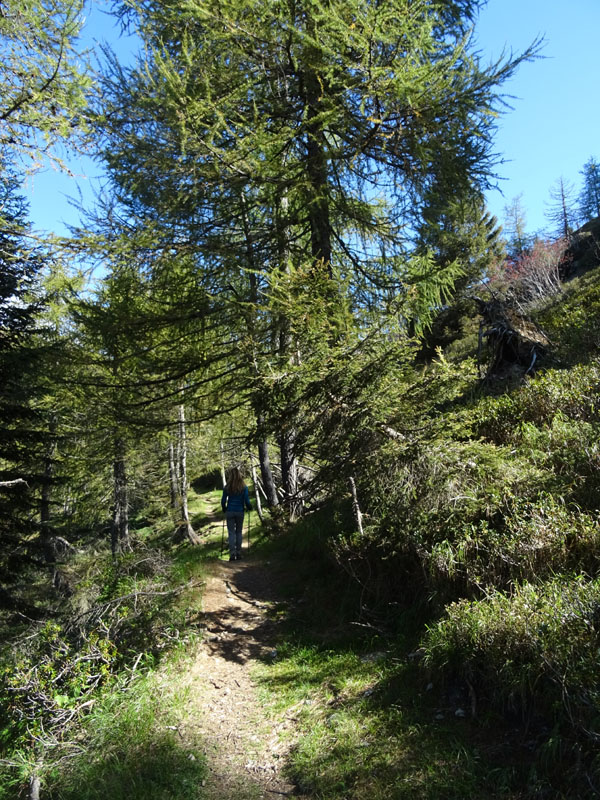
(159, 769)
(369, 724)
(370, 730)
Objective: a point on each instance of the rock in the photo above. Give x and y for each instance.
(372, 657)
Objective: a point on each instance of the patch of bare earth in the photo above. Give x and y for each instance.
(245, 750)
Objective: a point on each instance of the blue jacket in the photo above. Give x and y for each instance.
(235, 502)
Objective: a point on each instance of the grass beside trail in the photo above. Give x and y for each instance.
(370, 724)
(132, 747)
(128, 744)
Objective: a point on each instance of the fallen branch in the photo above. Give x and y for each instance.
(99, 610)
(393, 434)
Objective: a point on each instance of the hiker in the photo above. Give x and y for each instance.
(234, 499)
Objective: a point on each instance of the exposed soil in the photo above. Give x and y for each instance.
(245, 749)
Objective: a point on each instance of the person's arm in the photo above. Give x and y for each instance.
(247, 499)
(224, 500)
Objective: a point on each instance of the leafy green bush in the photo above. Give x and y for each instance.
(573, 393)
(530, 541)
(535, 652)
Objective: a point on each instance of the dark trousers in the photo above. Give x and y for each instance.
(235, 525)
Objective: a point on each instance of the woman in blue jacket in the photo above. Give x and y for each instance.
(233, 501)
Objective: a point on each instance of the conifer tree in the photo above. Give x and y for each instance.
(43, 81)
(288, 141)
(561, 209)
(23, 363)
(589, 198)
(518, 240)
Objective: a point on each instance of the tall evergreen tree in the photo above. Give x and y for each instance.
(459, 229)
(22, 433)
(294, 139)
(589, 198)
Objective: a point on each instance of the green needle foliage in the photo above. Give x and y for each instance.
(43, 82)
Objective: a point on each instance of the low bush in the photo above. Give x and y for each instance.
(573, 324)
(534, 653)
(573, 393)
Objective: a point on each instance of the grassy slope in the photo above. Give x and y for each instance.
(371, 722)
(506, 701)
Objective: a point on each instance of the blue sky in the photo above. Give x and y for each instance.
(553, 129)
(555, 125)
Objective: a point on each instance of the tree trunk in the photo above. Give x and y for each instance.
(173, 483)
(316, 160)
(256, 489)
(45, 526)
(223, 475)
(265, 464)
(356, 507)
(263, 449)
(120, 517)
(186, 525)
(289, 472)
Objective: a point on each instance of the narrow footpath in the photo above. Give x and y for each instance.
(245, 750)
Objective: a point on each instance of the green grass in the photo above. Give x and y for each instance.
(368, 730)
(130, 748)
(367, 723)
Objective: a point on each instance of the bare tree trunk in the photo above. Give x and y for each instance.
(289, 472)
(120, 517)
(356, 507)
(34, 788)
(287, 440)
(186, 525)
(265, 470)
(173, 483)
(223, 476)
(263, 449)
(256, 489)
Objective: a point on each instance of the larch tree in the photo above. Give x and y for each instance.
(518, 240)
(561, 210)
(43, 80)
(290, 140)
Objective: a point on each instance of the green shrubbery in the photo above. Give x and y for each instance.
(534, 652)
(485, 513)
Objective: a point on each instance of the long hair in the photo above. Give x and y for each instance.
(235, 482)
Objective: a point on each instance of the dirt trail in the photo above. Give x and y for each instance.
(244, 749)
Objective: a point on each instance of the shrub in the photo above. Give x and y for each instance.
(573, 393)
(573, 324)
(535, 651)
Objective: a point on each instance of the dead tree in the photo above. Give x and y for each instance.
(514, 343)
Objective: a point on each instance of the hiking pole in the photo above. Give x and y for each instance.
(222, 536)
(248, 530)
